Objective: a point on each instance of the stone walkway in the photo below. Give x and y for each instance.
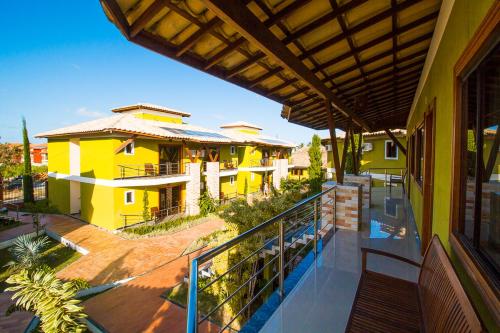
(137, 306)
(113, 258)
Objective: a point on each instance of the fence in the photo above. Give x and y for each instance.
(157, 215)
(151, 170)
(12, 189)
(252, 268)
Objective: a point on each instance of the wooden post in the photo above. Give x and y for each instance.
(339, 172)
(354, 153)
(344, 150)
(395, 140)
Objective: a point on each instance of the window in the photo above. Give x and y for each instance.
(480, 220)
(419, 156)
(232, 150)
(391, 150)
(129, 149)
(129, 197)
(328, 147)
(252, 176)
(231, 180)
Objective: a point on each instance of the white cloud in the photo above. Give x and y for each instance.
(84, 112)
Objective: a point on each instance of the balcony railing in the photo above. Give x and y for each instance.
(286, 242)
(388, 175)
(156, 215)
(229, 164)
(151, 170)
(263, 162)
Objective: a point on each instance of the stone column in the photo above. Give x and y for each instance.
(212, 177)
(280, 172)
(342, 207)
(193, 189)
(366, 182)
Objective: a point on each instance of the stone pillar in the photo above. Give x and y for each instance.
(280, 172)
(348, 206)
(342, 207)
(193, 189)
(212, 177)
(366, 182)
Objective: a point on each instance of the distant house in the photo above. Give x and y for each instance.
(39, 155)
(379, 154)
(300, 162)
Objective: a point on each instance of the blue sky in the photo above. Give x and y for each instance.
(63, 62)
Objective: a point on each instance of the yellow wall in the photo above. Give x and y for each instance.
(166, 119)
(96, 205)
(58, 150)
(464, 20)
(97, 157)
(245, 181)
(59, 194)
(227, 188)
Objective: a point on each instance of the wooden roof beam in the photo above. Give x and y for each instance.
(194, 38)
(396, 141)
(250, 27)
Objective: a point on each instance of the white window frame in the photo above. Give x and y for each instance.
(252, 176)
(231, 180)
(125, 197)
(132, 151)
(232, 150)
(385, 150)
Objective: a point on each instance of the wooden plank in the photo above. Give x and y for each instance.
(241, 18)
(124, 144)
(344, 150)
(189, 42)
(395, 140)
(339, 173)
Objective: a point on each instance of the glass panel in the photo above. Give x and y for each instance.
(490, 204)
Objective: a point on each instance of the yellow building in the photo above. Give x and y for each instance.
(300, 163)
(380, 156)
(103, 170)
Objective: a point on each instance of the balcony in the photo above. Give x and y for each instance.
(263, 164)
(320, 267)
(152, 174)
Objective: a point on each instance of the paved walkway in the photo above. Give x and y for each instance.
(17, 321)
(25, 227)
(137, 306)
(113, 258)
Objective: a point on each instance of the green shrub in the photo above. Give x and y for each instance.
(170, 225)
(207, 204)
(41, 207)
(291, 185)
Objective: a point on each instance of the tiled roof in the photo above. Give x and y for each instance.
(128, 123)
(240, 124)
(300, 157)
(152, 107)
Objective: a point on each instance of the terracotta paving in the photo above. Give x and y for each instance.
(113, 258)
(26, 227)
(137, 306)
(16, 322)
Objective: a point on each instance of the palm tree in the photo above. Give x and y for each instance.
(27, 252)
(51, 299)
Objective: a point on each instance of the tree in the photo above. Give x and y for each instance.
(10, 160)
(27, 252)
(315, 172)
(27, 177)
(53, 300)
(145, 206)
(350, 167)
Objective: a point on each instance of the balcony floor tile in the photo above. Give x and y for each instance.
(322, 300)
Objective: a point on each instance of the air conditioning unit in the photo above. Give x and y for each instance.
(367, 146)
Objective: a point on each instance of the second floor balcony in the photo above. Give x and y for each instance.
(168, 169)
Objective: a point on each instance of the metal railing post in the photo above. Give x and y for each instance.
(385, 176)
(192, 309)
(315, 203)
(282, 259)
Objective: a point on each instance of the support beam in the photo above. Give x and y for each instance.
(354, 154)
(344, 150)
(395, 140)
(244, 21)
(125, 144)
(339, 172)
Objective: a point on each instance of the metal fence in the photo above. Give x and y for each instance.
(151, 170)
(12, 189)
(156, 215)
(253, 267)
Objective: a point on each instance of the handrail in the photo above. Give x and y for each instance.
(298, 221)
(151, 169)
(223, 247)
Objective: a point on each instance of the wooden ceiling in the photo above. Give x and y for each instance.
(364, 56)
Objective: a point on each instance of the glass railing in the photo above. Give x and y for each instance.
(258, 268)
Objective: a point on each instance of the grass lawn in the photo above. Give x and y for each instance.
(56, 256)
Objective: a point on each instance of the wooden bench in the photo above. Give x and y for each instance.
(436, 303)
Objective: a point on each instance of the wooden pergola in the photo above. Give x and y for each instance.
(353, 65)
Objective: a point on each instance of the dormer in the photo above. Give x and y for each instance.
(243, 127)
(153, 112)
